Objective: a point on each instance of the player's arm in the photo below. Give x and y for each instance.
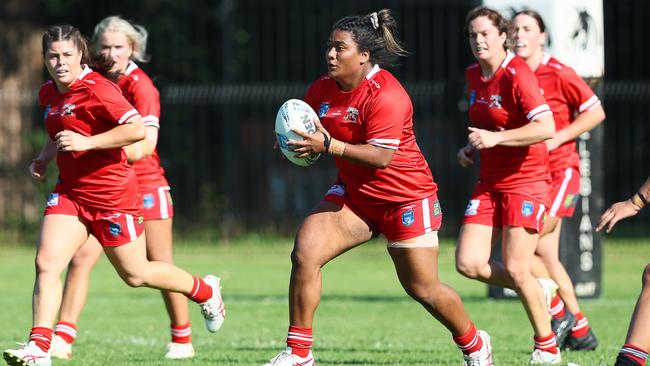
(38, 166)
(539, 129)
(143, 148)
(585, 121)
(625, 209)
(127, 133)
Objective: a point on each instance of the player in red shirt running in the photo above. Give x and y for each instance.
(88, 121)
(510, 120)
(384, 186)
(637, 343)
(576, 109)
(124, 43)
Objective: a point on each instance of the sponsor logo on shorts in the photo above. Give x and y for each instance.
(53, 200)
(115, 228)
(437, 210)
(140, 219)
(337, 190)
(527, 208)
(571, 200)
(323, 109)
(472, 207)
(148, 201)
(408, 218)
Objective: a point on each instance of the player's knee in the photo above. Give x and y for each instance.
(517, 272)
(421, 292)
(133, 280)
(45, 264)
(304, 255)
(468, 267)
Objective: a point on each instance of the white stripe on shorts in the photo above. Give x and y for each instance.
(162, 201)
(130, 225)
(428, 240)
(425, 215)
(540, 213)
(557, 201)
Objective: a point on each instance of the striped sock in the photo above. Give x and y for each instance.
(201, 291)
(300, 340)
(67, 331)
(582, 326)
(181, 333)
(631, 352)
(557, 307)
(470, 341)
(547, 343)
(42, 337)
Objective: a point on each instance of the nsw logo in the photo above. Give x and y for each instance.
(472, 207)
(323, 109)
(115, 228)
(337, 190)
(472, 97)
(148, 201)
(53, 200)
(408, 218)
(527, 208)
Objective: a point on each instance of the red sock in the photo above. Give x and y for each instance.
(581, 328)
(470, 341)
(547, 344)
(300, 340)
(181, 333)
(633, 353)
(42, 337)
(67, 331)
(557, 307)
(201, 291)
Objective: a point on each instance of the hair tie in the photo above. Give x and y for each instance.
(374, 20)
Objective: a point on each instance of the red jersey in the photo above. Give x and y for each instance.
(96, 178)
(139, 90)
(378, 112)
(510, 99)
(566, 94)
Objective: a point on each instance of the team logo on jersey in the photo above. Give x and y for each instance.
(47, 111)
(495, 101)
(115, 228)
(527, 208)
(472, 207)
(322, 110)
(148, 201)
(351, 114)
(68, 109)
(472, 97)
(408, 217)
(53, 199)
(437, 210)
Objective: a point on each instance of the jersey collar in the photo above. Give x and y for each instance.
(130, 68)
(509, 57)
(375, 69)
(546, 58)
(85, 71)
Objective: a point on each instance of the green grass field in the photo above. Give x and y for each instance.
(364, 318)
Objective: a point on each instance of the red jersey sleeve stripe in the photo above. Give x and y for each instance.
(590, 103)
(536, 112)
(151, 120)
(126, 117)
(385, 143)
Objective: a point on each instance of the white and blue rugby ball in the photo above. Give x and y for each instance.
(295, 114)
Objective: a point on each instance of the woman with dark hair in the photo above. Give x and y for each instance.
(576, 109)
(88, 122)
(384, 186)
(510, 121)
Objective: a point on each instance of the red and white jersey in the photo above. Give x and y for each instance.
(566, 94)
(510, 99)
(97, 178)
(378, 112)
(139, 90)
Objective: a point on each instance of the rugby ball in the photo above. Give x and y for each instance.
(297, 115)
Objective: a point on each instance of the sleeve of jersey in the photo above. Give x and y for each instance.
(146, 99)
(112, 105)
(577, 92)
(385, 120)
(530, 97)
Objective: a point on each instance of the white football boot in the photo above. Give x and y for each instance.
(29, 354)
(482, 357)
(213, 310)
(178, 351)
(540, 357)
(60, 348)
(285, 358)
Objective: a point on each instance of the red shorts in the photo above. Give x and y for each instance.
(565, 192)
(397, 221)
(499, 209)
(111, 228)
(157, 203)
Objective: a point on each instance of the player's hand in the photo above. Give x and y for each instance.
(482, 139)
(616, 213)
(465, 155)
(313, 143)
(37, 169)
(67, 140)
(552, 144)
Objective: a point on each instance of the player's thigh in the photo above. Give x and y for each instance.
(518, 247)
(329, 230)
(88, 254)
(130, 259)
(416, 259)
(548, 246)
(60, 237)
(159, 240)
(475, 245)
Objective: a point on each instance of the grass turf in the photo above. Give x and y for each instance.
(364, 317)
